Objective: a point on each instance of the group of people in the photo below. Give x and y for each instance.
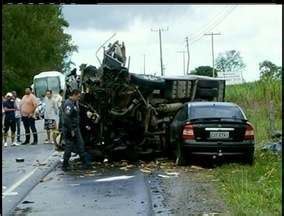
(15, 110)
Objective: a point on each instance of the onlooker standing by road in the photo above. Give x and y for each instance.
(3, 112)
(18, 116)
(50, 114)
(10, 120)
(28, 106)
(56, 133)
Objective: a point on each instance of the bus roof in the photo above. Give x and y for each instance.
(48, 74)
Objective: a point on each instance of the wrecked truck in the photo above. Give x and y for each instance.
(125, 115)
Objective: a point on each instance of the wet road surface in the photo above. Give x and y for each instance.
(99, 192)
(154, 188)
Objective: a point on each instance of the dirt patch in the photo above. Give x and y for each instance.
(184, 191)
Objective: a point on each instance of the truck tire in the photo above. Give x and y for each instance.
(208, 83)
(207, 92)
(148, 81)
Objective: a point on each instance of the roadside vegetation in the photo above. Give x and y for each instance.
(255, 190)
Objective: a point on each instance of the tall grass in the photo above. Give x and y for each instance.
(255, 190)
(255, 99)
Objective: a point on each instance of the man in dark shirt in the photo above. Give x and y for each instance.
(9, 107)
(71, 131)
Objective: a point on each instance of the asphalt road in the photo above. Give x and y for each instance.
(39, 187)
(18, 178)
(102, 192)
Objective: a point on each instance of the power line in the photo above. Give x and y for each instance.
(215, 23)
(213, 20)
(220, 21)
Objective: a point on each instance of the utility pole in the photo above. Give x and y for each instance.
(161, 55)
(144, 64)
(188, 56)
(212, 43)
(183, 54)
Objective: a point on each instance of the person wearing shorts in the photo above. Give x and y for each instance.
(50, 114)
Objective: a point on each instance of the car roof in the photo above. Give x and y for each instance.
(211, 103)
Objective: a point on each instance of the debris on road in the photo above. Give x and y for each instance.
(27, 202)
(20, 159)
(74, 185)
(273, 147)
(145, 170)
(164, 176)
(196, 167)
(46, 179)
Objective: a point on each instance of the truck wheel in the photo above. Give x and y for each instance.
(180, 160)
(149, 81)
(208, 83)
(206, 92)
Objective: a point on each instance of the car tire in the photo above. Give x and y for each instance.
(180, 160)
(148, 81)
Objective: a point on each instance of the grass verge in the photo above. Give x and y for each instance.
(255, 190)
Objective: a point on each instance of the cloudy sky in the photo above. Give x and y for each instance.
(254, 30)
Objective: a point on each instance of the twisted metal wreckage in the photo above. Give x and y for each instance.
(126, 115)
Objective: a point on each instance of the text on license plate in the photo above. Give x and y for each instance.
(219, 135)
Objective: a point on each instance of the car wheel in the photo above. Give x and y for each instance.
(180, 160)
(249, 158)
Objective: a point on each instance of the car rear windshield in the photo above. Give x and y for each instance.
(199, 112)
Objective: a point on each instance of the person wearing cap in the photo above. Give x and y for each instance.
(18, 116)
(28, 106)
(9, 107)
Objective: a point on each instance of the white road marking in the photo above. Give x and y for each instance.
(10, 194)
(22, 180)
(114, 178)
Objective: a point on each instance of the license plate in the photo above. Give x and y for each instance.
(219, 135)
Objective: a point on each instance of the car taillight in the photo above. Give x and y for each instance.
(187, 132)
(249, 133)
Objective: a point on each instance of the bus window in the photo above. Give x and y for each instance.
(53, 84)
(40, 86)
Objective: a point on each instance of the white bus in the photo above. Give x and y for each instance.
(49, 80)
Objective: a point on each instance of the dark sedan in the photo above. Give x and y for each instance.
(211, 128)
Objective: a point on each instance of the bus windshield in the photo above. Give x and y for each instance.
(46, 83)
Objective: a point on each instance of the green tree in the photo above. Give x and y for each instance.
(33, 41)
(204, 71)
(230, 62)
(269, 70)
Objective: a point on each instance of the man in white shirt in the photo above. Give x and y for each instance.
(18, 116)
(50, 114)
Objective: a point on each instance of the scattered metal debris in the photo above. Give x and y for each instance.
(20, 159)
(27, 202)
